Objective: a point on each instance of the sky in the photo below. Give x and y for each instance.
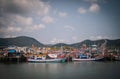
(60, 21)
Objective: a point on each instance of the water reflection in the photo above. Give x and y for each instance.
(72, 70)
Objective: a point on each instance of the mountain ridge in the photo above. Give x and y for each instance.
(20, 41)
(29, 41)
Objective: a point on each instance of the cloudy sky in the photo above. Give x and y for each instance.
(54, 21)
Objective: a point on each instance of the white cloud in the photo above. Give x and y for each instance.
(13, 29)
(10, 36)
(98, 37)
(82, 10)
(55, 40)
(23, 20)
(62, 14)
(91, 1)
(38, 27)
(37, 6)
(69, 27)
(94, 8)
(21, 23)
(96, 1)
(18, 19)
(48, 19)
(44, 9)
(74, 38)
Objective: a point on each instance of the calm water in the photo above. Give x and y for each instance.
(81, 70)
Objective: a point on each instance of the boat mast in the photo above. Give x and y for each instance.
(103, 46)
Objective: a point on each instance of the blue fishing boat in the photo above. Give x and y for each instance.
(88, 59)
(89, 54)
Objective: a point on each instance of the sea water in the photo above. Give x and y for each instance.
(72, 70)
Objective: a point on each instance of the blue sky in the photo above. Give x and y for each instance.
(55, 21)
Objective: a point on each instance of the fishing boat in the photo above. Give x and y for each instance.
(89, 54)
(44, 59)
(58, 60)
(117, 58)
(49, 57)
(89, 59)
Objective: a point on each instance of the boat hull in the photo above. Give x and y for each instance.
(47, 60)
(117, 59)
(90, 59)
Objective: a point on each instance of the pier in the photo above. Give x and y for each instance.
(13, 59)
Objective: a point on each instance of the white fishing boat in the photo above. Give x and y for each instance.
(88, 59)
(117, 58)
(89, 54)
(47, 60)
(43, 59)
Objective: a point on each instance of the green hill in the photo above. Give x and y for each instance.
(20, 41)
